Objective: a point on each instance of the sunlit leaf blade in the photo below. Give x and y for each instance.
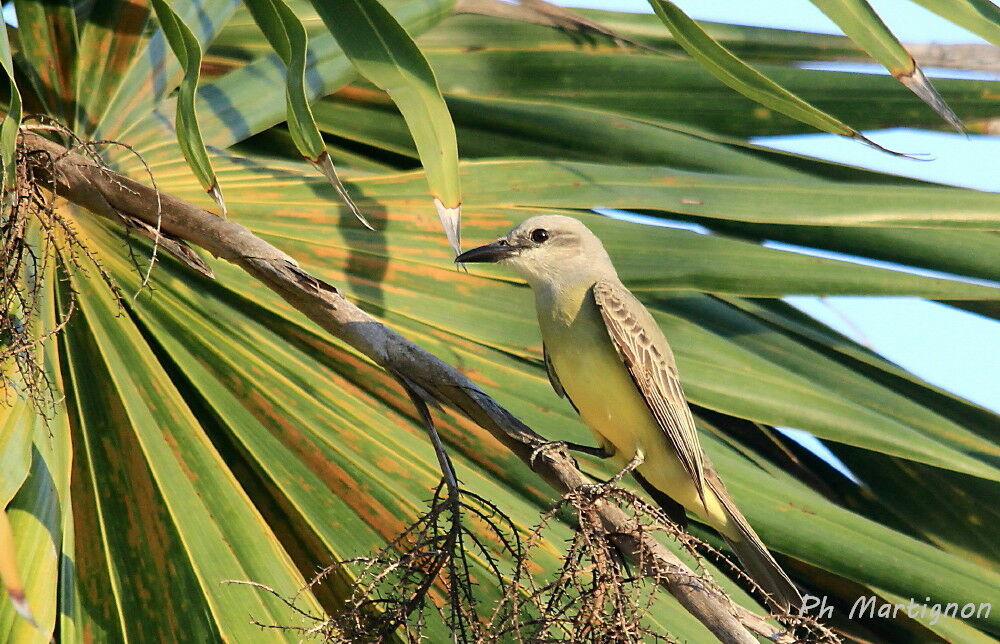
(553, 68)
(240, 41)
(764, 43)
(574, 184)
(951, 629)
(940, 507)
(41, 505)
(252, 98)
(8, 127)
(864, 360)
(902, 419)
(109, 38)
(488, 127)
(277, 143)
(981, 17)
(860, 22)
(186, 47)
(533, 402)
(382, 51)
(790, 46)
(682, 91)
(16, 434)
(194, 513)
(794, 517)
(34, 515)
(153, 72)
(959, 252)
(748, 42)
(16, 428)
(744, 79)
(491, 127)
(288, 37)
(49, 45)
(224, 103)
(10, 576)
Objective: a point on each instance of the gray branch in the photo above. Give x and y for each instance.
(81, 181)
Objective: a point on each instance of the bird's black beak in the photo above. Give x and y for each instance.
(488, 254)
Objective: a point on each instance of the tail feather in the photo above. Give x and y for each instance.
(753, 554)
(764, 570)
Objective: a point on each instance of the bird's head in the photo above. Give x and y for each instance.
(545, 248)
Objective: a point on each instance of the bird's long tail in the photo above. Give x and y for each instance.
(753, 554)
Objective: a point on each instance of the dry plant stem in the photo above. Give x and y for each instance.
(972, 56)
(82, 182)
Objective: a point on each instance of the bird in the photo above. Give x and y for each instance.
(605, 354)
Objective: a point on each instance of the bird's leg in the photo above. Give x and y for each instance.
(637, 459)
(599, 488)
(600, 451)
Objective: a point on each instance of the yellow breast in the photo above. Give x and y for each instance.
(594, 378)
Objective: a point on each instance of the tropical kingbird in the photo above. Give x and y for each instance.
(605, 353)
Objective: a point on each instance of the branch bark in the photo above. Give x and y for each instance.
(104, 193)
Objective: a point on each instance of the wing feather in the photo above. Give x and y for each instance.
(551, 371)
(648, 358)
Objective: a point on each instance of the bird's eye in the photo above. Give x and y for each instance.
(539, 235)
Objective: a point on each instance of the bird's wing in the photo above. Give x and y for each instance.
(550, 369)
(651, 364)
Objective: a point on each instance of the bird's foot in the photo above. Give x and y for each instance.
(598, 452)
(591, 491)
(545, 448)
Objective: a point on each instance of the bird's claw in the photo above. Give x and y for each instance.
(592, 490)
(545, 448)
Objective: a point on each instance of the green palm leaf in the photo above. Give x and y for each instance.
(981, 17)
(112, 42)
(9, 125)
(681, 91)
(210, 432)
(53, 37)
(383, 52)
(288, 37)
(186, 47)
(744, 79)
(863, 25)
